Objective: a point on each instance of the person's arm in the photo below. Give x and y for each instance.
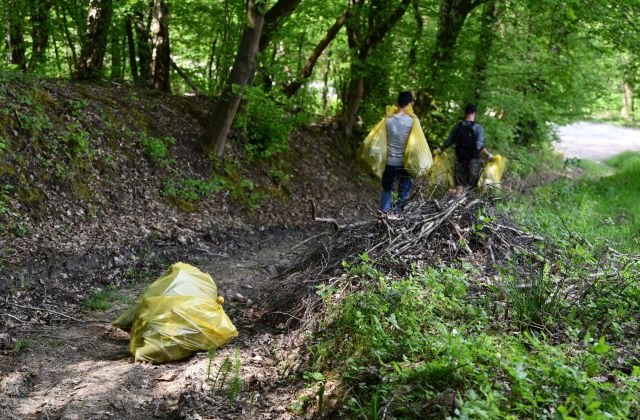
(480, 142)
(449, 140)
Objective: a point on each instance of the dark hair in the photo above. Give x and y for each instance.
(404, 99)
(470, 109)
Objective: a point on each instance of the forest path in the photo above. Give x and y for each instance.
(83, 369)
(596, 141)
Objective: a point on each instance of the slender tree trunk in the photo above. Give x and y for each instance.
(144, 49)
(161, 55)
(116, 53)
(94, 45)
(131, 47)
(451, 17)
(39, 33)
(325, 82)
(361, 44)
(212, 56)
(16, 50)
(627, 102)
(62, 21)
(292, 88)
(413, 52)
(225, 110)
(483, 52)
(243, 70)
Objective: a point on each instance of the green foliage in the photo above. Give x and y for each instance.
(76, 140)
(192, 189)
(102, 299)
(600, 208)
(20, 345)
(265, 123)
(156, 149)
(421, 347)
(229, 374)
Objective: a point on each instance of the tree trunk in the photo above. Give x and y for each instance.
(413, 52)
(273, 20)
(325, 81)
(62, 20)
(292, 88)
(483, 52)
(39, 33)
(225, 111)
(144, 49)
(451, 17)
(131, 46)
(116, 52)
(161, 56)
(378, 24)
(243, 69)
(627, 102)
(16, 50)
(94, 45)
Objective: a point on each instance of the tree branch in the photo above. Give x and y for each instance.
(293, 87)
(273, 20)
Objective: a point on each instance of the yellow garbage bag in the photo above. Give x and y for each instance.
(176, 316)
(493, 171)
(417, 156)
(441, 173)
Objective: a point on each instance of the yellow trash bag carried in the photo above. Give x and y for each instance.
(176, 316)
(441, 173)
(417, 156)
(493, 170)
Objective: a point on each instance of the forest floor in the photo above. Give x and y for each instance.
(75, 253)
(89, 216)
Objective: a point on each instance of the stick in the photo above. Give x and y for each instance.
(44, 310)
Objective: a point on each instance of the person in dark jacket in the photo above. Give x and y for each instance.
(399, 127)
(468, 138)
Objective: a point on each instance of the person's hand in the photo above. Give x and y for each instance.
(437, 151)
(489, 157)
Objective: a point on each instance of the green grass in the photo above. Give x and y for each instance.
(601, 208)
(102, 299)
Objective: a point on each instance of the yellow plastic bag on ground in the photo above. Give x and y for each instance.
(417, 156)
(176, 316)
(493, 171)
(441, 173)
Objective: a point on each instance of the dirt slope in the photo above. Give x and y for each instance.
(84, 207)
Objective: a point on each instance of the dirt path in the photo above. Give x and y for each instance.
(596, 141)
(82, 370)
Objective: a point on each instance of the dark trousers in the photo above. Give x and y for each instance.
(389, 177)
(468, 172)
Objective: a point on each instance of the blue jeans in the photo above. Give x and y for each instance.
(391, 173)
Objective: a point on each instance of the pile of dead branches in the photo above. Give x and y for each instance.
(426, 232)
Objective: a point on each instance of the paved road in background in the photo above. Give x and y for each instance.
(596, 141)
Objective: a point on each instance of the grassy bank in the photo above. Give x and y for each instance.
(558, 342)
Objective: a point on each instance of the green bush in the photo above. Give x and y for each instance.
(422, 347)
(191, 189)
(266, 124)
(156, 149)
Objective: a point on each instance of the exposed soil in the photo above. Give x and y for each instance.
(83, 369)
(101, 220)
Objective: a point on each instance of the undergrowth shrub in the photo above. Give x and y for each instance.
(266, 124)
(423, 347)
(156, 149)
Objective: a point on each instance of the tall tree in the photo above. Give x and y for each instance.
(15, 34)
(94, 45)
(161, 54)
(143, 45)
(451, 17)
(40, 28)
(225, 110)
(483, 51)
(366, 28)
